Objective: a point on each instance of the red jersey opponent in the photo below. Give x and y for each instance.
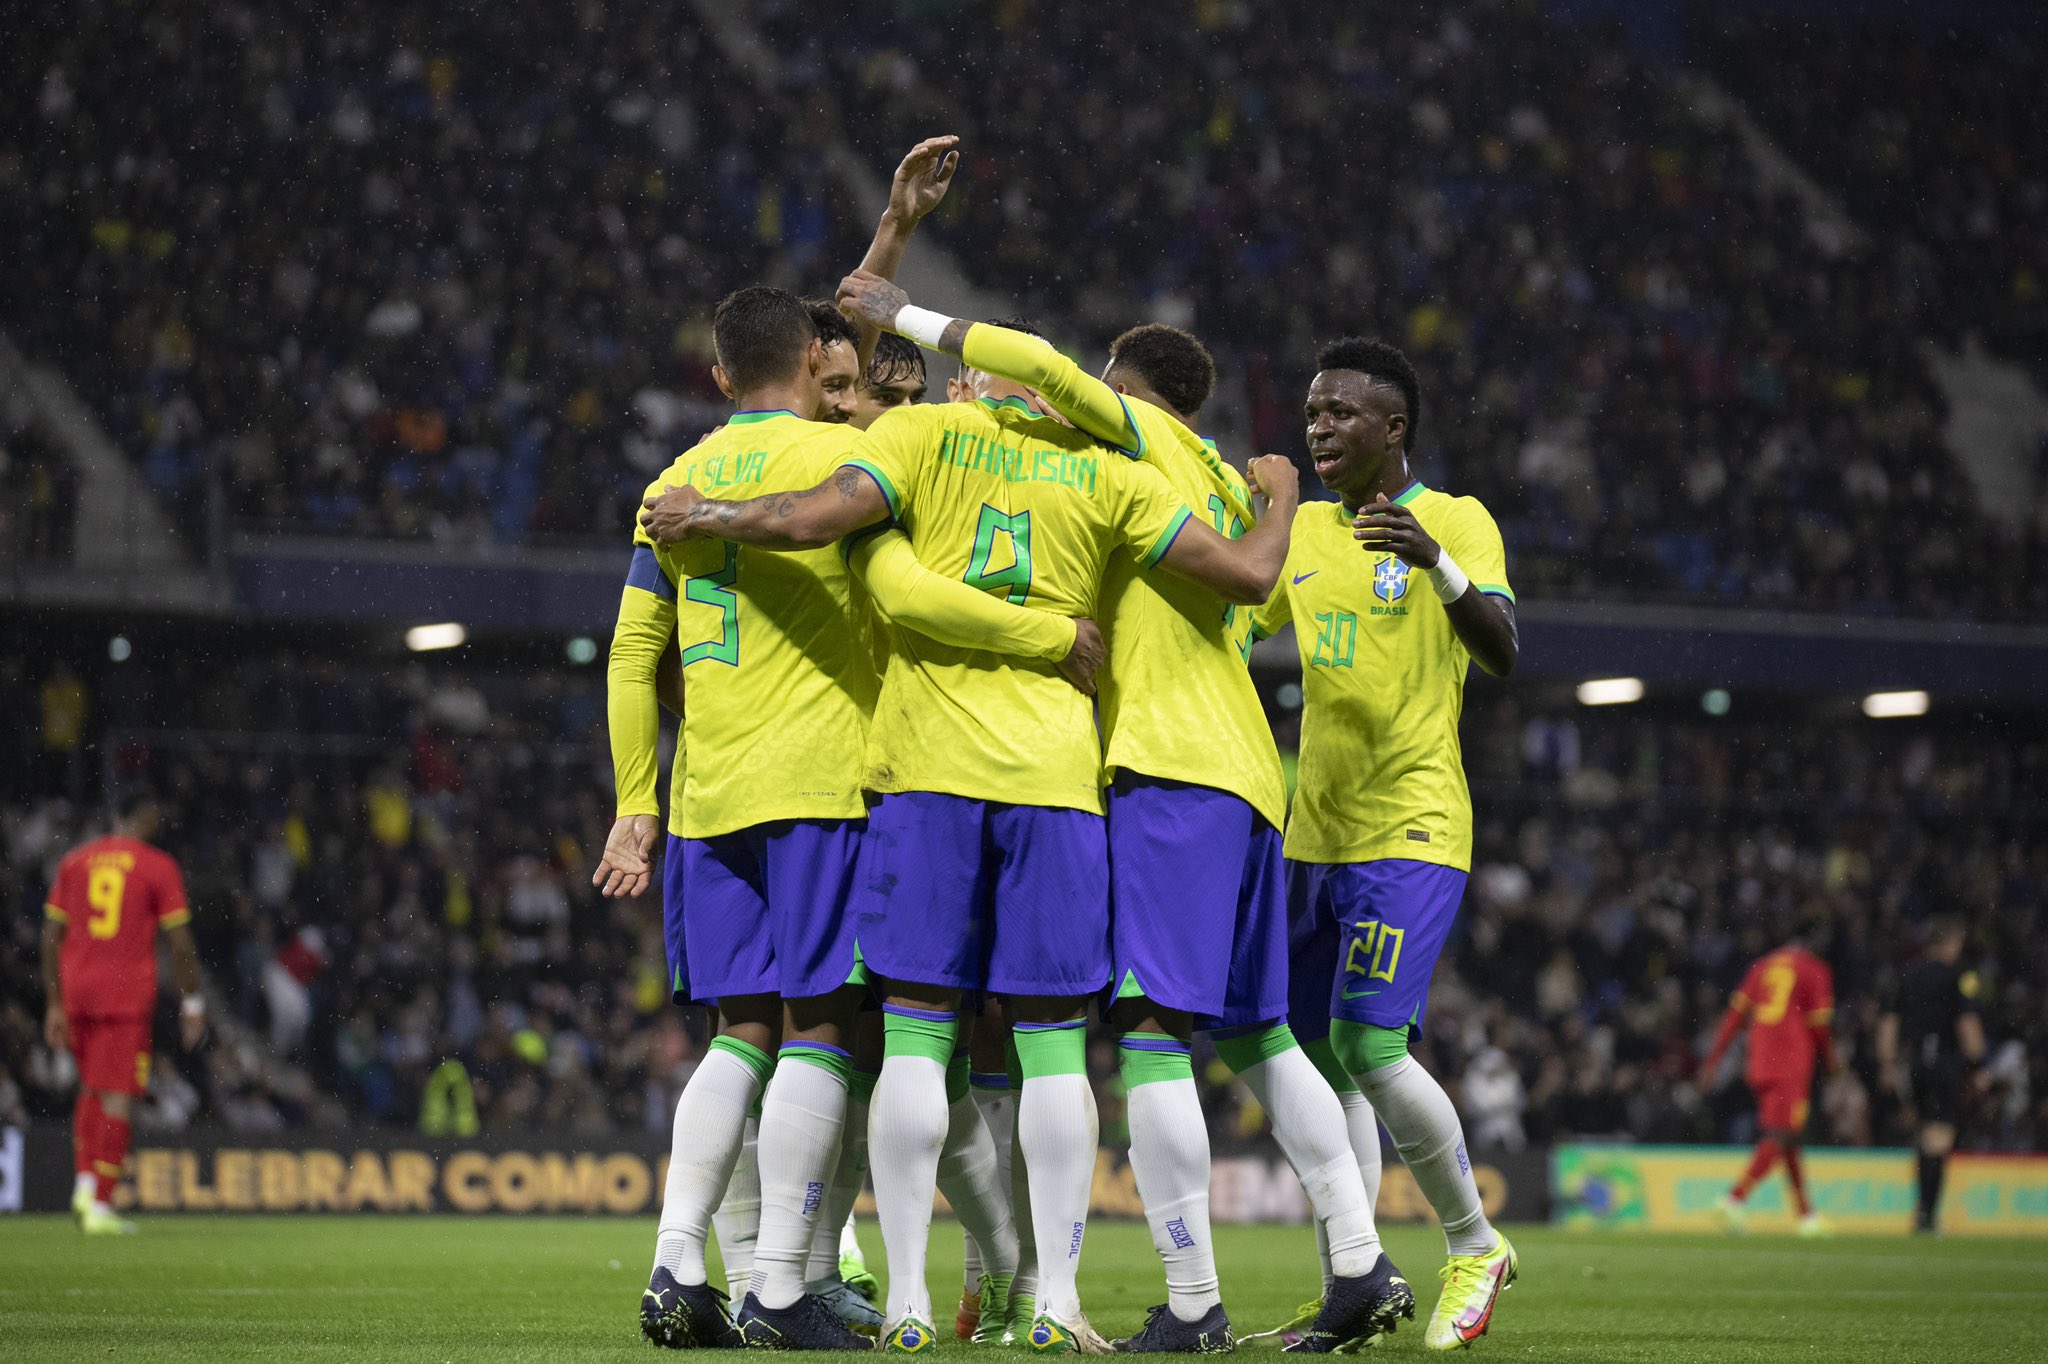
(111, 898)
(1788, 1001)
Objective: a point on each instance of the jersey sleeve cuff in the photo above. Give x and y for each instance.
(1136, 450)
(1498, 590)
(52, 912)
(882, 482)
(177, 918)
(1165, 542)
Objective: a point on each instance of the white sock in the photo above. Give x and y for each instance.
(1170, 1156)
(1364, 1127)
(86, 1183)
(906, 1130)
(999, 1116)
(710, 1125)
(1057, 1131)
(1426, 1132)
(738, 1219)
(800, 1119)
(834, 1231)
(970, 1178)
(1308, 1123)
(1025, 1285)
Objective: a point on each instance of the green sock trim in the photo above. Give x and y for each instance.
(919, 1035)
(748, 1055)
(1366, 1047)
(1016, 1064)
(860, 1086)
(829, 1059)
(1246, 1050)
(956, 1078)
(1319, 1051)
(1147, 1058)
(1060, 1049)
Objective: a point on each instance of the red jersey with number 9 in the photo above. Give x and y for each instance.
(1786, 995)
(113, 895)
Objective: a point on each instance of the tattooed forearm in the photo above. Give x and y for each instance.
(954, 336)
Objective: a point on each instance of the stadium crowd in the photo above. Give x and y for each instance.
(396, 275)
(390, 869)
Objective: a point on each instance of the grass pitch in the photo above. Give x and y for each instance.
(511, 1289)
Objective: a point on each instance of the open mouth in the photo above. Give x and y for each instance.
(1325, 461)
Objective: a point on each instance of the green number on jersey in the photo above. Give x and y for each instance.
(1336, 638)
(1016, 579)
(715, 589)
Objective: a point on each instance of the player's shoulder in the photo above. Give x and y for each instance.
(1459, 508)
(1017, 417)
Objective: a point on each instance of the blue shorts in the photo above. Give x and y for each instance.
(672, 921)
(1364, 938)
(976, 895)
(766, 908)
(1198, 902)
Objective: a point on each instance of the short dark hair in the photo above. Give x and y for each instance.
(132, 802)
(896, 359)
(1012, 323)
(1172, 363)
(1386, 365)
(760, 334)
(831, 323)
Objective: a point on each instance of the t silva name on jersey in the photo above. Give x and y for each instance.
(726, 470)
(966, 450)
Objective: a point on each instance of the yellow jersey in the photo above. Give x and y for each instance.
(1025, 507)
(779, 670)
(1383, 682)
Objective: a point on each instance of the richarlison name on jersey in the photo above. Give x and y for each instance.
(970, 451)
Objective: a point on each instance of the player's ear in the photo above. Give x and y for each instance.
(718, 376)
(958, 392)
(814, 355)
(1397, 428)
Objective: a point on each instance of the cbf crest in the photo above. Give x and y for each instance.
(1390, 579)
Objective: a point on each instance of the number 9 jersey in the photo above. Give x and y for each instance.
(112, 895)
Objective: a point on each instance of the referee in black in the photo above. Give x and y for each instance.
(1934, 1041)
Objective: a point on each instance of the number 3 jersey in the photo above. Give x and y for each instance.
(112, 895)
(1028, 508)
(779, 670)
(1383, 683)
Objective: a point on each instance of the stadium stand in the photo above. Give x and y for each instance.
(393, 866)
(406, 279)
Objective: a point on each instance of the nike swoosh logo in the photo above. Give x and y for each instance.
(1301, 578)
(1357, 994)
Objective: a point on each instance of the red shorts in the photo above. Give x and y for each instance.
(113, 1053)
(1782, 1105)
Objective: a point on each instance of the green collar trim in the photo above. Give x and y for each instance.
(748, 418)
(1012, 401)
(1410, 493)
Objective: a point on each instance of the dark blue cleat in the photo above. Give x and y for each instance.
(809, 1323)
(1167, 1334)
(685, 1316)
(1356, 1309)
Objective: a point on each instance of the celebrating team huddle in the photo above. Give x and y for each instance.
(882, 623)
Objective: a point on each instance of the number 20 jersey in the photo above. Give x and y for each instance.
(1025, 506)
(779, 673)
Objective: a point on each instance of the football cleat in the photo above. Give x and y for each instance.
(1051, 1334)
(967, 1318)
(1472, 1285)
(853, 1272)
(911, 1336)
(1016, 1323)
(1814, 1225)
(1289, 1331)
(1166, 1334)
(993, 1314)
(81, 1202)
(1732, 1212)
(848, 1305)
(806, 1324)
(100, 1220)
(685, 1317)
(1357, 1310)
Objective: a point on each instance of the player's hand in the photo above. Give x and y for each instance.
(667, 516)
(923, 178)
(627, 865)
(1387, 526)
(191, 1029)
(1084, 660)
(867, 297)
(1276, 478)
(56, 1028)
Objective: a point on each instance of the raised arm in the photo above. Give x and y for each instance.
(646, 624)
(920, 183)
(1246, 569)
(968, 618)
(848, 501)
(1080, 397)
(1483, 619)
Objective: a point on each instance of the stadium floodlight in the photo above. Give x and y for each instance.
(1891, 705)
(1610, 691)
(447, 635)
(1716, 701)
